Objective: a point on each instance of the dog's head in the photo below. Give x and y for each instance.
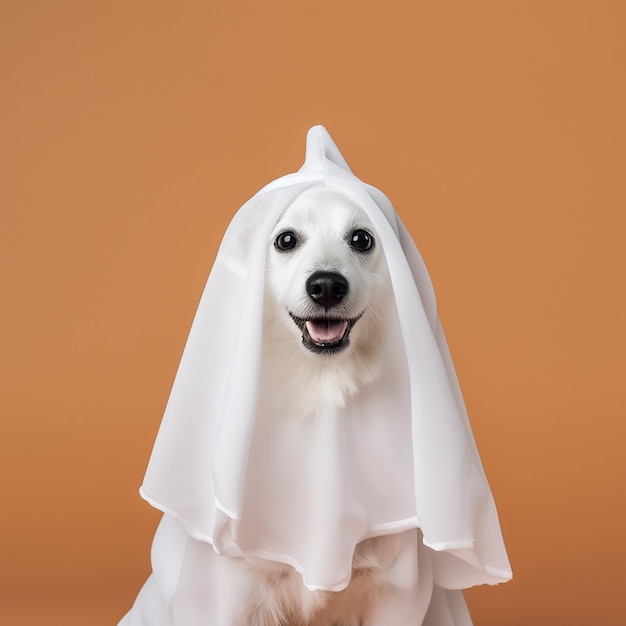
(327, 286)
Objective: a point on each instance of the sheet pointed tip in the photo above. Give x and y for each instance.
(322, 152)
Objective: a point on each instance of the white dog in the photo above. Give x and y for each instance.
(327, 303)
(327, 300)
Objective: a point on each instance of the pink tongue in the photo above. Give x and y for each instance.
(326, 332)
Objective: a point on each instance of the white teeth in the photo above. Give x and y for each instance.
(326, 331)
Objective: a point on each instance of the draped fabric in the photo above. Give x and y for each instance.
(304, 489)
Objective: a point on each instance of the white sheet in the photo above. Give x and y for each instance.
(240, 480)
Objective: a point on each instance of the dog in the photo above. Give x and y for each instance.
(315, 464)
(326, 300)
(326, 309)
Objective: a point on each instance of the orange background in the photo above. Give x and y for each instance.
(130, 134)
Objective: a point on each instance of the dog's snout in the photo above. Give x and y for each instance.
(326, 288)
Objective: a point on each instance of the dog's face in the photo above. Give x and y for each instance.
(327, 286)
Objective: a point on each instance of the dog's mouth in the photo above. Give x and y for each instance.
(325, 335)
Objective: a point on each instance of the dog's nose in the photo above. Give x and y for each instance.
(326, 288)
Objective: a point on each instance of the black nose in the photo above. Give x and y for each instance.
(327, 288)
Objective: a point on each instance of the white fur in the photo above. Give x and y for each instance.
(323, 220)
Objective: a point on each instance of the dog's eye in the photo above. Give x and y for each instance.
(286, 241)
(361, 240)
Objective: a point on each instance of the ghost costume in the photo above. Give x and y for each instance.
(399, 458)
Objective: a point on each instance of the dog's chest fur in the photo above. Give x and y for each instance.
(276, 595)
